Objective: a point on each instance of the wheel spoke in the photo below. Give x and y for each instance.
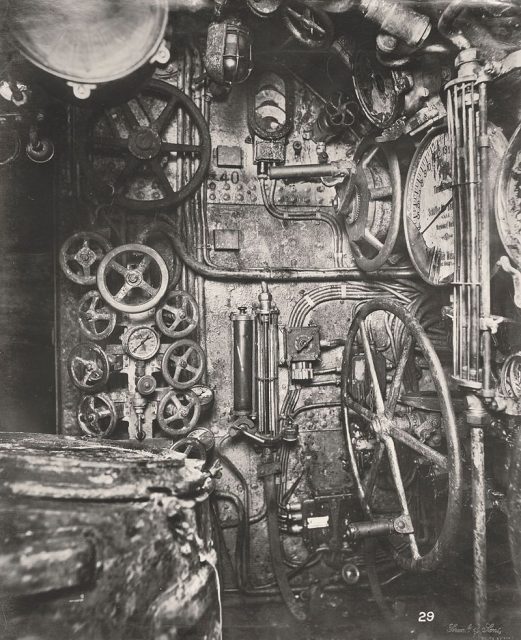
(370, 480)
(177, 373)
(161, 177)
(178, 147)
(370, 156)
(410, 441)
(396, 384)
(86, 270)
(143, 265)
(400, 489)
(373, 240)
(194, 370)
(122, 270)
(148, 288)
(130, 117)
(380, 407)
(163, 118)
(188, 353)
(381, 193)
(178, 404)
(123, 291)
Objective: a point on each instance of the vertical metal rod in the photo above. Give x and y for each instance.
(485, 232)
(480, 526)
(274, 372)
(474, 238)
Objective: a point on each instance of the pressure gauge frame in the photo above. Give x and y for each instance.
(414, 188)
(426, 171)
(508, 199)
(136, 337)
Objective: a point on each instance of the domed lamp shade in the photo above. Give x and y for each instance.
(89, 42)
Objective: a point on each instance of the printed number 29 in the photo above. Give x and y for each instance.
(426, 616)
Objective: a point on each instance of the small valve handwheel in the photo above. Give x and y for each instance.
(96, 320)
(370, 203)
(132, 278)
(134, 149)
(178, 316)
(178, 412)
(159, 235)
(97, 415)
(309, 25)
(88, 367)
(79, 255)
(183, 364)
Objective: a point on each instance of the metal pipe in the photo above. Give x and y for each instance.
(485, 234)
(283, 274)
(303, 171)
(243, 324)
(479, 530)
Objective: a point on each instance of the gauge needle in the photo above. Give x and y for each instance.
(442, 209)
(142, 343)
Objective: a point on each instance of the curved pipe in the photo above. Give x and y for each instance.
(283, 274)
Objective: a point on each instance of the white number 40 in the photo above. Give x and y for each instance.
(426, 616)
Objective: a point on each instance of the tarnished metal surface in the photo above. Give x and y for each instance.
(131, 560)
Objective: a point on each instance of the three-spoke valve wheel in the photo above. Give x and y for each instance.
(398, 459)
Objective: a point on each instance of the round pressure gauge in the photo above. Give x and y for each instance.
(428, 204)
(141, 343)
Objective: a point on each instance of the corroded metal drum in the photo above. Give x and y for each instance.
(103, 541)
(88, 44)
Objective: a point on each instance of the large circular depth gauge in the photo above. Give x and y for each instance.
(428, 204)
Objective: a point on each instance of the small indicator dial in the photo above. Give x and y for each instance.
(141, 343)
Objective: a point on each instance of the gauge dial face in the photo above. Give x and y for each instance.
(428, 206)
(142, 343)
(508, 209)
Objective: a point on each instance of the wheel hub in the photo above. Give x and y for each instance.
(85, 256)
(144, 143)
(133, 278)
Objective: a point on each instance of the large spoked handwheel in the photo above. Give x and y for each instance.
(370, 203)
(81, 254)
(309, 25)
(159, 235)
(88, 367)
(96, 320)
(178, 412)
(136, 147)
(178, 316)
(406, 461)
(97, 415)
(183, 364)
(132, 278)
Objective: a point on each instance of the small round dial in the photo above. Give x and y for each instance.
(141, 343)
(428, 205)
